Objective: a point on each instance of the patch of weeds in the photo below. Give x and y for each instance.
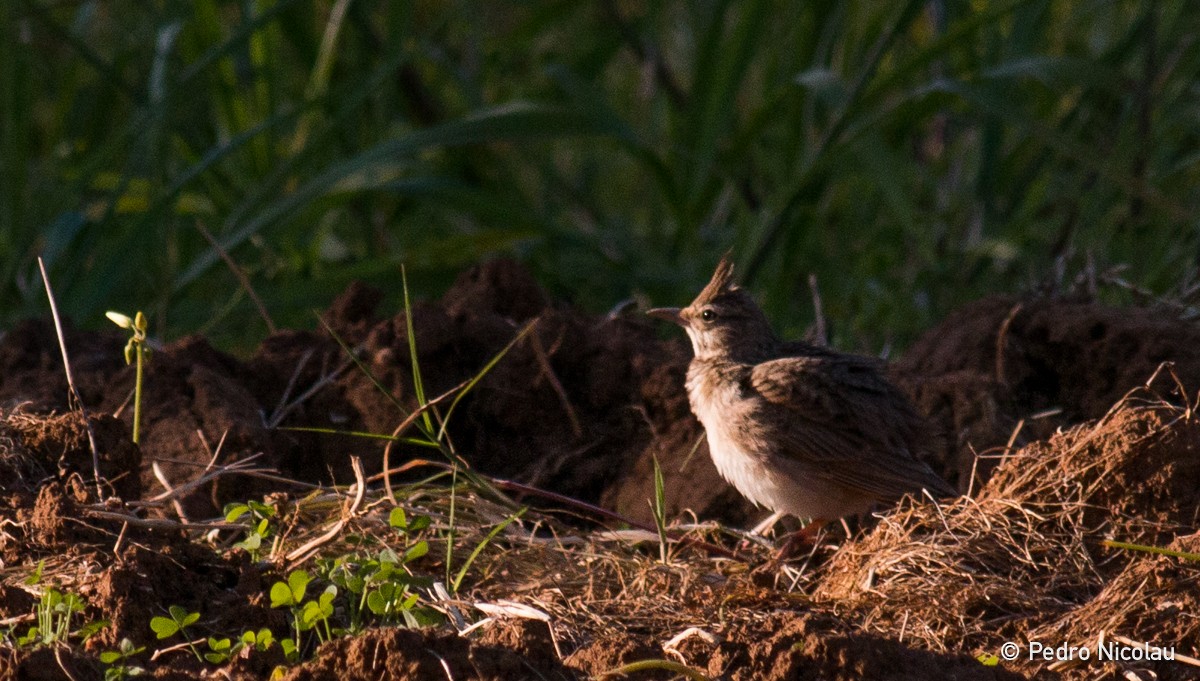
(118, 661)
(312, 614)
(259, 528)
(382, 584)
(55, 611)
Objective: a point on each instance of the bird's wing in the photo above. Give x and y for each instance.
(847, 423)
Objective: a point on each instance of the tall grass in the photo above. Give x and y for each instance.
(912, 155)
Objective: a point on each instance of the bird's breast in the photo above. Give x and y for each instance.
(743, 453)
(739, 453)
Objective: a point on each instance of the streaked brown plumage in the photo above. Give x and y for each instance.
(795, 427)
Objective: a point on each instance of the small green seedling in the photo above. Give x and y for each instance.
(177, 623)
(135, 349)
(221, 649)
(260, 527)
(290, 594)
(118, 661)
(659, 509)
(260, 640)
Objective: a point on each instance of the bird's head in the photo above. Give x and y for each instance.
(723, 320)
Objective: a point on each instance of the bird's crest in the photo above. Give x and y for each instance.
(722, 281)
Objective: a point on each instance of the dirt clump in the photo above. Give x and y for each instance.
(1038, 363)
(422, 656)
(1026, 555)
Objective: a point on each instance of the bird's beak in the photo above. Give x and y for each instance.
(670, 314)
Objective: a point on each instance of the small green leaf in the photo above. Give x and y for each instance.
(397, 519)
(235, 511)
(165, 627)
(110, 656)
(281, 595)
(36, 577)
(298, 582)
(251, 543)
(376, 602)
(416, 551)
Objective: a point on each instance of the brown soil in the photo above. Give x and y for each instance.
(581, 406)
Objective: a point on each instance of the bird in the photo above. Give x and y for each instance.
(797, 428)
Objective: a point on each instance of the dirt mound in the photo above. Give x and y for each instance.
(1004, 367)
(508, 651)
(1024, 561)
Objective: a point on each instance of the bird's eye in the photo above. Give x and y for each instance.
(707, 315)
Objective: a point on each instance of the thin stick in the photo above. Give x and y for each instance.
(239, 274)
(557, 385)
(62, 345)
(162, 480)
(822, 329)
(159, 523)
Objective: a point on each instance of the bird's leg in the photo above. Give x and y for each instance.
(805, 537)
(765, 526)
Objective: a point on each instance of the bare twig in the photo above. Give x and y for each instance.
(158, 523)
(1002, 343)
(283, 410)
(239, 274)
(62, 345)
(821, 329)
(162, 480)
(548, 371)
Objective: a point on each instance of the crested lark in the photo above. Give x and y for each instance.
(795, 427)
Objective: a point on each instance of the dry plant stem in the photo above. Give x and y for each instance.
(162, 480)
(297, 556)
(325, 380)
(239, 274)
(404, 425)
(178, 646)
(287, 390)
(62, 345)
(1002, 342)
(63, 665)
(1185, 659)
(157, 523)
(511, 486)
(821, 328)
(547, 371)
(239, 467)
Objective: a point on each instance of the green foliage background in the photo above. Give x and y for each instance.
(911, 155)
